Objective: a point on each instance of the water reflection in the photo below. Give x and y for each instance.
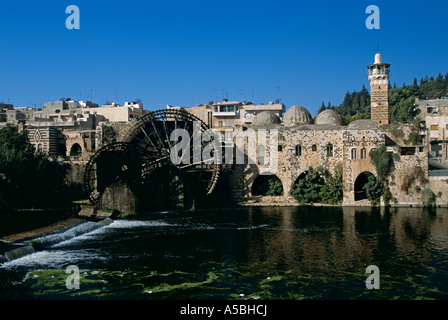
(272, 253)
(343, 239)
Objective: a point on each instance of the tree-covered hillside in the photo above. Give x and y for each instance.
(356, 104)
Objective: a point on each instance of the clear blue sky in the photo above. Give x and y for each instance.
(180, 52)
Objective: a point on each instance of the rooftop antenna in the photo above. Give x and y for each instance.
(216, 94)
(241, 93)
(278, 87)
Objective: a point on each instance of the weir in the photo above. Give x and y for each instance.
(41, 242)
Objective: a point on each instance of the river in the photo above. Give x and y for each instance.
(252, 253)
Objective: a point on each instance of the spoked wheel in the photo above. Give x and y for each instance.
(114, 163)
(155, 132)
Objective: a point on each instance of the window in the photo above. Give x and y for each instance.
(261, 154)
(314, 148)
(280, 148)
(434, 127)
(363, 153)
(329, 150)
(354, 154)
(220, 123)
(298, 150)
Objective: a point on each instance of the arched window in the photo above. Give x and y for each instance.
(363, 153)
(313, 147)
(261, 154)
(298, 150)
(329, 150)
(76, 150)
(354, 154)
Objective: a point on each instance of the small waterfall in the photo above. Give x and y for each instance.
(19, 253)
(32, 245)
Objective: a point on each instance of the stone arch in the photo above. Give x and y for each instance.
(267, 185)
(360, 182)
(76, 150)
(300, 176)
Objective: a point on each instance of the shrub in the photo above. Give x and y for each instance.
(374, 189)
(428, 198)
(383, 162)
(318, 185)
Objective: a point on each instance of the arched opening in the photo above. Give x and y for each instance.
(267, 185)
(360, 182)
(75, 150)
(301, 176)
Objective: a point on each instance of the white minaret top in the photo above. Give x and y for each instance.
(378, 58)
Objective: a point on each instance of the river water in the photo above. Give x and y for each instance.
(246, 253)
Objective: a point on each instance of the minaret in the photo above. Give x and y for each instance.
(379, 89)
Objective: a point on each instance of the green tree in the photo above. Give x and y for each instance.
(27, 179)
(428, 198)
(307, 189)
(318, 185)
(374, 189)
(322, 108)
(332, 191)
(383, 162)
(404, 111)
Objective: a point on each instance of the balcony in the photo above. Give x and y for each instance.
(226, 114)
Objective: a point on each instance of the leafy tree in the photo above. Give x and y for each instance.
(428, 198)
(404, 111)
(27, 179)
(383, 162)
(318, 185)
(307, 189)
(268, 186)
(275, 187)
(374, 189)
(332, 191)
(11, 138)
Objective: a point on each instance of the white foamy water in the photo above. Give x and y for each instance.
(52, 259)
(126, 224)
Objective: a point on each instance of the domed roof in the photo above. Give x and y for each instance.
(363, 124)
(296, 115)
(328, 116)
(266, 118)
(378, 58)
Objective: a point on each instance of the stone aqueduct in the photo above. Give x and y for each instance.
(302, 143)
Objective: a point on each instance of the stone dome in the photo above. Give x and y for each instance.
(363, 124)
(329, 117)
(296, 115)
(266, 118)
